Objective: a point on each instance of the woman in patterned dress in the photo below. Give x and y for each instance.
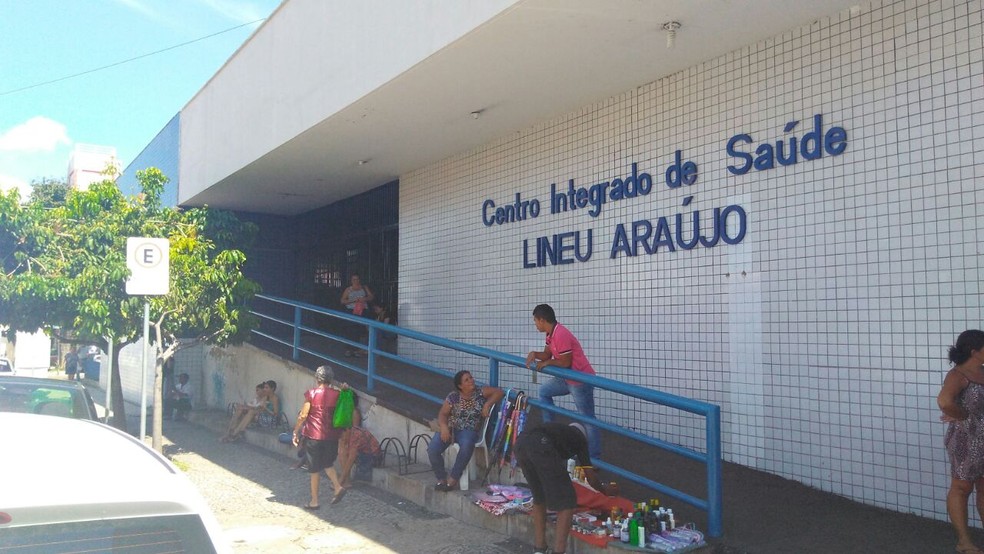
(962, 403)
(460, 421)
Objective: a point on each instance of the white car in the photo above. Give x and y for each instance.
(88, 487)
(6, 368)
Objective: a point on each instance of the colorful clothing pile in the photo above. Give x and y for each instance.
(502, 499)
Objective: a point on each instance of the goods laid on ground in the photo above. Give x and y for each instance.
(648, 527)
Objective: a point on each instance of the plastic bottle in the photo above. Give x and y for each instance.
(633, 531)
(640, 535)
(624, 535)
(652, 526)
(672, 522)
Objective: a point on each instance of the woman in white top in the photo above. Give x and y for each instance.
(356, 298)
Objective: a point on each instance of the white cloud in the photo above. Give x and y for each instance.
(7, 182)
(37, 133)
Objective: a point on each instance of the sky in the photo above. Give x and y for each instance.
(123, 106)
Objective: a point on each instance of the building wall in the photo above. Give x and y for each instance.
(219, 141)
(191, 360)
(230, 374)
(822, 332)
(88, 164)
(162, 153)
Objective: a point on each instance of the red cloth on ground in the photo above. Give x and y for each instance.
(601, 541)
(588, 500)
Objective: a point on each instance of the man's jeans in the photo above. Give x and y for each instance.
(584, 401)
(466, 439)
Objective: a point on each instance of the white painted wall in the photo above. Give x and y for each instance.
(190, 360)
(371, 42)
(230, 374)
(823, 334)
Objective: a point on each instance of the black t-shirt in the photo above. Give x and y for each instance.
(569, 442)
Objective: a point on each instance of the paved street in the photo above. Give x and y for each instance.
(256, 499)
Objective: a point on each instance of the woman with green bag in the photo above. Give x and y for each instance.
(315, 423)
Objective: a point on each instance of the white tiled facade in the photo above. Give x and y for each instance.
(822, 334)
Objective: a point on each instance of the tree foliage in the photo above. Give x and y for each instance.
(49, 192)
(65, 267)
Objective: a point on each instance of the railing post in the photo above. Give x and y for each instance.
(493, 372)
(714, 497)
(371, 361)
(296, 353)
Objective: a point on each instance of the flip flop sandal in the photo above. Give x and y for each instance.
(310, 508)
(338, 497)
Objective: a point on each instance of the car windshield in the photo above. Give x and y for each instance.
(42, 399)
(5, 366)
(142, 535)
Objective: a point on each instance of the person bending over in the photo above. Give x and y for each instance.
(542, 453)
(358, 442)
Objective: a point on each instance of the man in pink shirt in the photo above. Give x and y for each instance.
(563, 350)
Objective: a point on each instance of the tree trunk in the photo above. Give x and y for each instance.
(116, 392)
(158, 441)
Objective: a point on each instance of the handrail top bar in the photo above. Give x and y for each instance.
(637, 391)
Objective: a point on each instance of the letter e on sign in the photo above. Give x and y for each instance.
(149, 263)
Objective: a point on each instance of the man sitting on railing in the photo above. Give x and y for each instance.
(563, 350)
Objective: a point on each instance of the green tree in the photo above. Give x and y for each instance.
(50, 192)
(65, 267)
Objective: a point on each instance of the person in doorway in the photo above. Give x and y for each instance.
(356, 298)
(314, 423)
(383, 315)
(542, 453)
(460, 421)
(962, 402)
(563, 350)
(182, 398)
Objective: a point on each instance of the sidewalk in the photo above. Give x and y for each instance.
(763, 513)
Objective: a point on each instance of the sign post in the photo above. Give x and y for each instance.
(148, 260)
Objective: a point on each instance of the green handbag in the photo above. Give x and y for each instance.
(343, 409)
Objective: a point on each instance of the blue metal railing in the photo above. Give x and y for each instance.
(711, 413)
